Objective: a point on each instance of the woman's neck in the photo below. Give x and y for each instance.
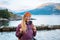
(27, 22)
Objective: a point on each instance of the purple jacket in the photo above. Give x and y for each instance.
(26, 36)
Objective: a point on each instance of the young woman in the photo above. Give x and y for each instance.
(26, 29)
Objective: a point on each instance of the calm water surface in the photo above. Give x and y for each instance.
(41, 19)
(41, 35)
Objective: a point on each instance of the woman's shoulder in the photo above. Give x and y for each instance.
(19, 25)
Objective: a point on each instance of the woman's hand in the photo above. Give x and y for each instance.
(34, 29)
(21, 30)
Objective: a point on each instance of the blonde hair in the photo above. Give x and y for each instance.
(23, 24)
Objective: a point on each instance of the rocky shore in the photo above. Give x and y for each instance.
(8, 29)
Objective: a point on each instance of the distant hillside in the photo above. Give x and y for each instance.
(15, 17)
(4, 13)
(45, 9)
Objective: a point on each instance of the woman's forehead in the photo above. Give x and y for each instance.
(27, 16)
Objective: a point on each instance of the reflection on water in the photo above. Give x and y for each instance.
(41, 35)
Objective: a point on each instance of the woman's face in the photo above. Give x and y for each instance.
(27, 18)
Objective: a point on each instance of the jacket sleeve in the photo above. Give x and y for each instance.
(18, 34)
(34, 32)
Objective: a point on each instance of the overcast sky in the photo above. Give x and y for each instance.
(20, 5)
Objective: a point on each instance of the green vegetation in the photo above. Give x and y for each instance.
(5, 14)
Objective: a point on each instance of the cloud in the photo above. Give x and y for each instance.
(20, 5)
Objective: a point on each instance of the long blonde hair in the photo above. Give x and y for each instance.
(23, 23)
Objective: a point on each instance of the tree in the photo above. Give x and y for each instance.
(4, 13)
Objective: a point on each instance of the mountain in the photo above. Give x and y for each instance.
(45, 9)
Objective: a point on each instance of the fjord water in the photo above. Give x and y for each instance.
(41, 19)
(41, 35)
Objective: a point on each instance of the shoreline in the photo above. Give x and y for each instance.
(8, 29)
